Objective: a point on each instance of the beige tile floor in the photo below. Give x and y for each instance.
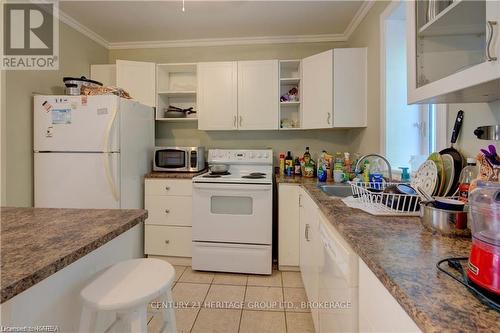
(232, 303)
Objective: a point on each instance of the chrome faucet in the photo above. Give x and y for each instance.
(357, 170)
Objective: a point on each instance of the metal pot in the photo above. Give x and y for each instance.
(218, 168)
(74, 84)
(445, 222)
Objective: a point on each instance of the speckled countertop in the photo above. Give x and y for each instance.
(403, 255)
(38, 242)
(174, 175)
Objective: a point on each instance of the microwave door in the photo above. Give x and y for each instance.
(171, 160)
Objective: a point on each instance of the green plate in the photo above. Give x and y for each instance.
(441, 183)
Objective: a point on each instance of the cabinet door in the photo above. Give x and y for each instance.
(349, 88)
(455, 56)
(288, 225)
(138, 79)
(258, 95)
(106, 74)
(378, 310)
(217, 95)
(317, 91)
(309, 250)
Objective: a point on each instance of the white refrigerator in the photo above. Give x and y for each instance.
(91, 151)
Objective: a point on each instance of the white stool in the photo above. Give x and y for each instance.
(127, 288)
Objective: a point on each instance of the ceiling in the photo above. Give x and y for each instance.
(122, 22)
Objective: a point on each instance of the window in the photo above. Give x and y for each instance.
(409, 132)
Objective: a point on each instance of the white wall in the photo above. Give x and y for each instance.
(475, 114)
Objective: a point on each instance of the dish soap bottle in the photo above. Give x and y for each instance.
(468, 174)
(405, 175)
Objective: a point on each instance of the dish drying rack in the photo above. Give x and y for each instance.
(380, 203)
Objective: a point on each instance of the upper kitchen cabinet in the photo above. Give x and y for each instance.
(453, 49)
(138, 79)
(217, 97)
(334, 89)
(238, 95)
(258, 95)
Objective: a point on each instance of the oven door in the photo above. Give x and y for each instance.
(232, 213)
(170, 160)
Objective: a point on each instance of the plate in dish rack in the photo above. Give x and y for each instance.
(426, 177)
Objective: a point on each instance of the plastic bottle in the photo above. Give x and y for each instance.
(468, 174)
(347, 166)
(405, 175)
(366, 172)
(375, 175)
(289, 164)
(282, 163)
(322, 167)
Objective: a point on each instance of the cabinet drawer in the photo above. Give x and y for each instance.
(168, 187)
(169, 210)
(167, 241)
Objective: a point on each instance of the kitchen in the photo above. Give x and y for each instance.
(174, 54)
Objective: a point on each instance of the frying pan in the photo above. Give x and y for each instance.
(458, 159)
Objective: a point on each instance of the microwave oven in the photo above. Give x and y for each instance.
(179, 159)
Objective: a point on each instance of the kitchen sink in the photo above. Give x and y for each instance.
(338, 190)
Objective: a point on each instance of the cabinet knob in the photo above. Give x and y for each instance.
(167, 241)
(167, 188)
(167, 211)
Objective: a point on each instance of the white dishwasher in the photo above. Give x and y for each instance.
(338, 283)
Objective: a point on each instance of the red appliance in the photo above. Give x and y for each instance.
(484, 261)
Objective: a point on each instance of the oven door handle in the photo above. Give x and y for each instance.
(232, 187)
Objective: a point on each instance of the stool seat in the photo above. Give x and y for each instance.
(129, 284)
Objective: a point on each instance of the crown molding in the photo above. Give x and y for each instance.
(342, 37)
(65, 18)
(358, 18)
(229, 41)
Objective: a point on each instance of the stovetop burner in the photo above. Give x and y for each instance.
(250, 176)
(458, 274)
(217, 174)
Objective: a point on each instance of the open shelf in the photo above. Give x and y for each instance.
(176, 85)
(459, 18)
(174, 93)
(177, 119)
(290, 81)
(290, 74)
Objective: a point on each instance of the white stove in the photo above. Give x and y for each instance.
(232, 213)
(245, 166)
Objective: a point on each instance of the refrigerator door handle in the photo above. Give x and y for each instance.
(109, 176)
(107, 162)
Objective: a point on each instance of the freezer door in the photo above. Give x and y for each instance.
(77, 180)
(76, 123)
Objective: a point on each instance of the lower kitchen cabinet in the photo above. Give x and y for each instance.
(288, 227)
(309, 250)
(343, 292)
(378, 310)
(167, 241)
(168, 227)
